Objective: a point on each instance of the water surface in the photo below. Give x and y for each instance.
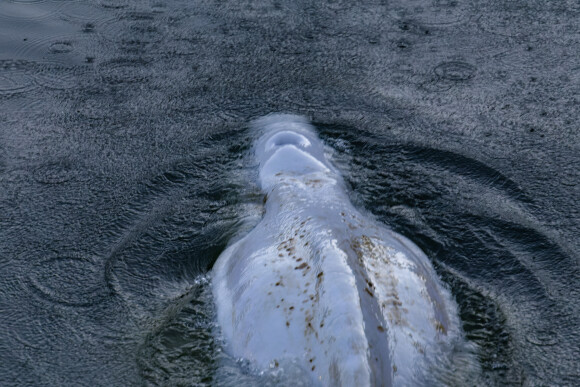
(124, 170)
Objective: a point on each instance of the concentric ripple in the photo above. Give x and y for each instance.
(26, 1)
(455, 71)
(446, 75)
(59, 77)
(15, 77)
(438, 13)
(542, 338)
(56, 172)
(61, 46)
(121, 71)
(514, 19)
(436, 85)
(29, 10)
(72, 279)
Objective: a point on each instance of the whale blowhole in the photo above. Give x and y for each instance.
(287, 138)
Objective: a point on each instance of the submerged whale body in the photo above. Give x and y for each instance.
(319, 284)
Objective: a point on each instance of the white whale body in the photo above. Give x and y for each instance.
(319, 284)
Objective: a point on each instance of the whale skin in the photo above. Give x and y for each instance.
(323, 285)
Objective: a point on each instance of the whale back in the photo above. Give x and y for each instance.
(319, 284)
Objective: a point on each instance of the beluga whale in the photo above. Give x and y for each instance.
(322, 285)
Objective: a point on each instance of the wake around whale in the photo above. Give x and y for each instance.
(321, 285)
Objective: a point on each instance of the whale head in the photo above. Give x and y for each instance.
(288, 147)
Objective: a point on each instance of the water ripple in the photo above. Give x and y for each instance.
(71, 279)
(60, 77)
(181, 344)
(507, 23)
(15, 82)
(123, 70)
(456, 71)
(20, 76)
(114, 4)
(543, 338)
(56, 172)
(439, 13)
(29, 10)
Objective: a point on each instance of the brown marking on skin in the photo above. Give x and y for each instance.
(303, 265)
(369, 292)
(278, 283)
(276, 364)
(320, 274)
(394, 316)
(287, 323)
(265, 199)
(394, 368)
(309, 328)
(322, 324)
(313, 367)
(440, 328)
(299, 259)
(418, 347)
(305, 244)
(280, 255)
(380, 328)
(291, 308)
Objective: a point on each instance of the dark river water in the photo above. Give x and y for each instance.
(124, 170)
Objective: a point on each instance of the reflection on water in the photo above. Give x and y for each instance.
(124, 170)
